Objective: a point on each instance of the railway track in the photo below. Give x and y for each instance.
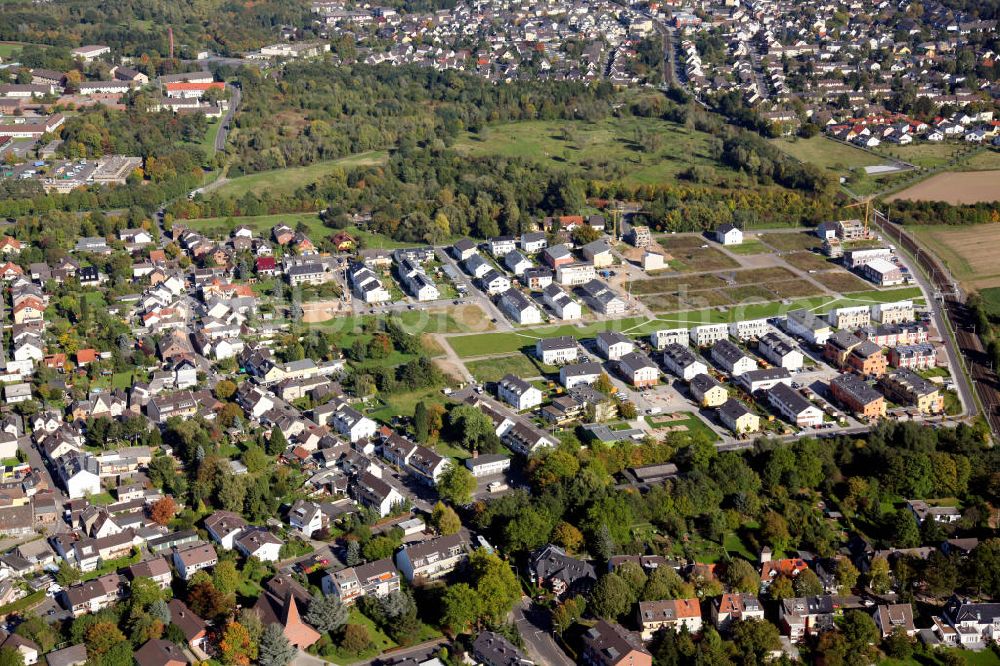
(984, 380)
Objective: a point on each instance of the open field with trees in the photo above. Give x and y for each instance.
(288, 180)
(641, 150)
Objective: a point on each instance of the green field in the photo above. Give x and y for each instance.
(291, 179)
(991, 301)
(836, 157)
(208, 143)
(752, 246)
(483, 344)
(8, 49)
(581, 145)
(496, 367)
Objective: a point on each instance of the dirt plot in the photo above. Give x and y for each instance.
(317, 311)
(791, 242)
(970, 252)
(690, 255)
(761, 275)
(807, 261)
(956, 187)
(666, 285)
(748, 292)
(793, 288)
(841, 281)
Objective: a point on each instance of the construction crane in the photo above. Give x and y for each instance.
(867, 203)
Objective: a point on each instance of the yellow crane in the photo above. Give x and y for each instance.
(867, 203)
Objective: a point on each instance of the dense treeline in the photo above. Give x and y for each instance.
(313, 111)
(138, 27)
(775, 486)
(172, 164)
(939, 212)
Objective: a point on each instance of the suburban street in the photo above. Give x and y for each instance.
(536, 629)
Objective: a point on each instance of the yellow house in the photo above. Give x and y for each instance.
(707, 391)
(30, 309)
(737, 417)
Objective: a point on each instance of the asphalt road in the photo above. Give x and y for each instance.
(234, 103)
(536, 629)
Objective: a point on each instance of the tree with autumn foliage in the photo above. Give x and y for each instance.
(236, 647)
(163, 510)
(101, 637)
(205, 600)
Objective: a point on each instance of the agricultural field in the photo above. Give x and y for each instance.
(954, 187)
(991, 300)
(291, 179)
(969, 252)
(609, 143)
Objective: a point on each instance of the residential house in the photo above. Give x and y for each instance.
(780, 352)
(708, 334)
(793, 407)
(557, 351)
(602, 299)
(378, 578)
(660, 339)
(518, 393)
(598, 253)
(764, 379)
(517, 306)
(561, 303)
(707, 391)
(493, 649)
(727, 234)
(576, 374)
(671, 614)
(638, 370)
(370, 491)
(433, 559)
(550, 567)
(890, 618)
(736, 416)
(735, 606)
(194, 628)
(194, 557)
(610, 644)
(613, 345)
(805, 324)
(802, 616)
(858, 397)
(258, 542)
(682, 362)
(307, 517)
(732, 359)
(908, 388)
(749, 329)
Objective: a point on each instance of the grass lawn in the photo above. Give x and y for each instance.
(735, 545)
(605, 145)
(102, 499)
(451, 451)
(980, 658)
(379, 641)
(404, 404)
(752, 246)
(496, 367)
(8, 49)
(122, 380)
(288, 180)
(692, 423)
(468, 318)
(925, 154)
(208, 143)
